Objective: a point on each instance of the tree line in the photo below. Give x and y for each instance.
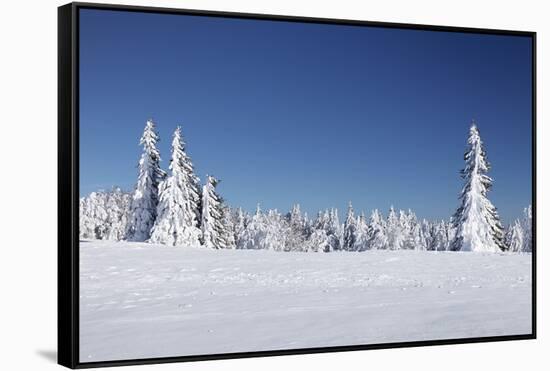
(173, 209)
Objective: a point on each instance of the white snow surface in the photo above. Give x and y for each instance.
(140, 300)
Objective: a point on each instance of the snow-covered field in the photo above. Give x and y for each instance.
(139, 300)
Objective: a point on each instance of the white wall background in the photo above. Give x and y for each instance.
(28, 119)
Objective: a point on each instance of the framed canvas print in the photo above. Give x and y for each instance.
(238, 185)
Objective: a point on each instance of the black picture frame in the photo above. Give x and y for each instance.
(68, 184)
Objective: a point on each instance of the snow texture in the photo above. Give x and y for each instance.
(140, 300)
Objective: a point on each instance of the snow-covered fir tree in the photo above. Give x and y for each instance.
(277, 233)
(318, 241)
(334, 230)
(378, 238)
(229, 227)
(394, 231)
(416, 238)
(362, 234)
(240, 223)
(254, 234)
(297, 229)
(176, 223)
(441, 242)
(408, 224)
(103, 215)
(93, 216)
(477, 223)
(212, 223)
(428, 233)
(515, 241)
(450, 233)
(350, 230)
(143, 211)
(117, 206)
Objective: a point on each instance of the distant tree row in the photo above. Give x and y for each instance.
(173, 209)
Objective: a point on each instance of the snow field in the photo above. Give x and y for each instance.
(140, 300)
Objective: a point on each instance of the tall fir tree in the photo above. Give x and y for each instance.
(143, 211)
(476, 221)
(212, 223)
(177, 211)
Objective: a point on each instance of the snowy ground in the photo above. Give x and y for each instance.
(140, 300)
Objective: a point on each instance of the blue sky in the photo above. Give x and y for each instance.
(313, 114)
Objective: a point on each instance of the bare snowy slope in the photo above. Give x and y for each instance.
(139, 300)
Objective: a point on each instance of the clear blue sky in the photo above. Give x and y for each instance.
(313, 114)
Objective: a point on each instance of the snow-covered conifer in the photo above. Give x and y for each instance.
(394, 231)
(428, 232)
(318, 241)
(297, 232)
(103, 215)
(322, 221)
(362, 234)
(143, 210)
(477, 223)
(117, 207)
(515, 237)
(255, 231)
(176, 223)
(276, 233)
(334, 230)
(350, 230)
(440, 237)
(212, 223)
(229, 227)
(450, 232)
(93, 216)
(409, 230)
(240, 222)
(378, 237)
